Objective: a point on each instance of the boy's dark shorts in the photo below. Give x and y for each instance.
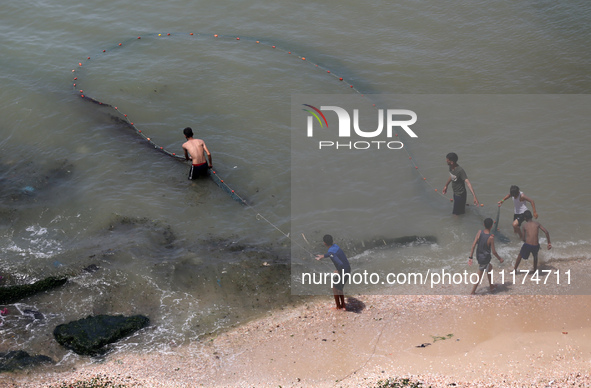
(342, 280)
(198, 171)
(483, 263)
(526, 249)
(518, 217)
(460, 203)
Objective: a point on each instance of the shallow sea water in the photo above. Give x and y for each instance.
(79, 188)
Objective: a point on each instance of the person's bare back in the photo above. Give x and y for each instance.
(531, 229)
(530, 232)
(197, 150)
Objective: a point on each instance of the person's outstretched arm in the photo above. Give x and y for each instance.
(472, 191)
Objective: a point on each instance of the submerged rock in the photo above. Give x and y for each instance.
(88, 336)
(386, 242)
(91, 268)
(11, 294)
(26, 181)
(33, 314)
(153, 231)
(19, 359)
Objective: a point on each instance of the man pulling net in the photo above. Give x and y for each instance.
(195, 150)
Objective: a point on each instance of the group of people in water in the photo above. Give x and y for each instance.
(523, 225)
(484, 242)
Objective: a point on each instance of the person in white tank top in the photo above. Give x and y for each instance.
(519, 200)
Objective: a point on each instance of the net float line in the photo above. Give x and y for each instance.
(242, 40)
(246, 40)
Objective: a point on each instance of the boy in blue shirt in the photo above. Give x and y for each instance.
(339, 259)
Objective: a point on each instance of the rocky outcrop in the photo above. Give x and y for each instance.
(90, 335)
(19, 359)
(11, 294)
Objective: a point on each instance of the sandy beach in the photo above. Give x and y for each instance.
(441, 341)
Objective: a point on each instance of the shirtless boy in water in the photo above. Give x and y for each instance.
(531, 245)
(195, 150)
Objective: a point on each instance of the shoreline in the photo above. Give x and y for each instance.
(482, 340)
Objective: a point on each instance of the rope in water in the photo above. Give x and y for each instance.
(496, 225)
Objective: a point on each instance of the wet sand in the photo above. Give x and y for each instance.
(463, 341)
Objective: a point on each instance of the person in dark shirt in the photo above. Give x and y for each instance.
(459, 181)
(485, 245)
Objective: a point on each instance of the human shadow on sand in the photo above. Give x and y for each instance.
(354, 305)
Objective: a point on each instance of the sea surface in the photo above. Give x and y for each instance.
(84, 195)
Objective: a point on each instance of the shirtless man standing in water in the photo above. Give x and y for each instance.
(531, 245)
(195, 150)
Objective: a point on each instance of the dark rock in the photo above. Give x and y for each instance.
(34, 314)
(17, 360)
(88, 336)
(92, 268)
(29, 179)
(156, 232)
(11, 294)
(387, 242)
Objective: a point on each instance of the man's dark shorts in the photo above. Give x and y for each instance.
(518, 217)
(198, 171)
(343, 278)
(526, 249)
(459, 203)
(484, 262)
